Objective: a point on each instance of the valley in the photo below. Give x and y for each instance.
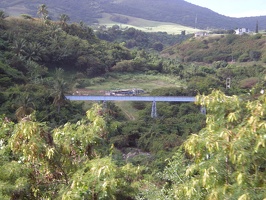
(54, 148)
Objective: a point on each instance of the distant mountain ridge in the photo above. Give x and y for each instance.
(174, 11)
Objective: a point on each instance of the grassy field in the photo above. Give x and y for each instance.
(147, 25)
(130, 81)
(128, 110)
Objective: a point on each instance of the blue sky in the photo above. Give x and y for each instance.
(234, 8)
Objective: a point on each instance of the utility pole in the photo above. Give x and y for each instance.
(228, 83)
(196, 21)
(257, 27)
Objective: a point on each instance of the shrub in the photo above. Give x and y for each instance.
(244, 57)
(257, 36)
(230, 38)
(220, 64)
(82, 83)
(255, 55)
(124, 66)
(138, 105)
(26, 16)
(263, 58)
(249, 82)
(119, 141)
(158, 46)
(120, 19)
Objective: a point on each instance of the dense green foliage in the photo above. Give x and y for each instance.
(229, 47)
(138, 39)
(226, 159)
(31, 50)
(68, 162)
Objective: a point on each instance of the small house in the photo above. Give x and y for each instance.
(201, 34)
(241, 31)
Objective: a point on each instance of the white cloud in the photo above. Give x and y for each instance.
(250, 13)
(234, 8)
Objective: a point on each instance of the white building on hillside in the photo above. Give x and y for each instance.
(201, 34)
(241, 31)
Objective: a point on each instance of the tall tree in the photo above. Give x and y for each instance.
(19, 46)
(60, 87)
(42, 11)
(226, 160)
(63, 19)
(66, 163)
(26, 106)
(35, 71)
(33, 51)
(3, 15)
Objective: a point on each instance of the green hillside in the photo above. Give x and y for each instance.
(174, 11)
(221, 47)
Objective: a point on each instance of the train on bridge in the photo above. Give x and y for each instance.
(124, 92)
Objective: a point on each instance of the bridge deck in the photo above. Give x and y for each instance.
(132, 98)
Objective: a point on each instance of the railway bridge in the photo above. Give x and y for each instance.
(152, 99)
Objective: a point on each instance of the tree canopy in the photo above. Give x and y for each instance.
(226, 159)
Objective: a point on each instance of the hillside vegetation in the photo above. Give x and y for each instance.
(220, 47)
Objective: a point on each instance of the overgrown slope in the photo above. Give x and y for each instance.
(220, 47)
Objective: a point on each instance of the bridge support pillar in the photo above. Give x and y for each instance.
(104, 104)
(153, 110)
(203, 110)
